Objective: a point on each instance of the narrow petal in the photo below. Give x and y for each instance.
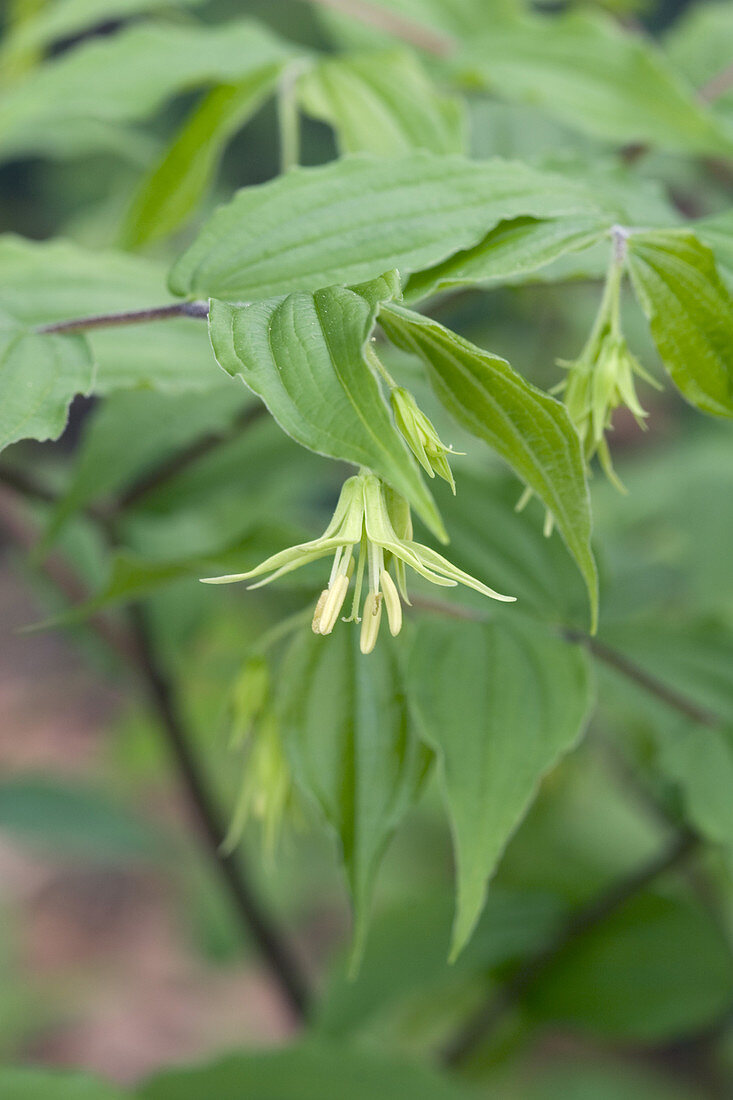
(447, 569)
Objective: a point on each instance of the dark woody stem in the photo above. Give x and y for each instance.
(196, 310)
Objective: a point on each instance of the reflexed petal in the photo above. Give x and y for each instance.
(442, 565)
(292, 558)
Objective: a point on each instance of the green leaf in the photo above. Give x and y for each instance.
(132, 575)
(178, 183)
(43, 282)
(509, 253)
(499, 703)
(700, 45)
(584, 69)
(74, 821)
(384, 104)
(39, 377)
(67, 18)
(312, 1071)
(695, 762)
(528, 429)
(407, 949)
(699, 762)
(717, 234)
(352, 219)
(134, 431)
(490, 539)
(690, 314)
(452, 19)
(128, 76)
(304, 355)
(656, 969)
(571, 1078)
(40, 1084)
(353, 749)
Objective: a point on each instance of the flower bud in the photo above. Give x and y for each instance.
(249, 695)
(420, 435)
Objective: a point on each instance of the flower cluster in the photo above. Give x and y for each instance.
(596, 386)
(369, 534)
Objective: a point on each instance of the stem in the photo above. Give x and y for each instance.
(579, 924)
(288, 116)
(375, 362)
(644, 680)
(607, 318)
(179, 462)
(282, 962)
(396, 25)
(198, 310)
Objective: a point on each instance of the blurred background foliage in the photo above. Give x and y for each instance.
(100, 870)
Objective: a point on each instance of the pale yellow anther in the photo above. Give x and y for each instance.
(391, 602)
(371, 618)
(333, 603)
(319, 611)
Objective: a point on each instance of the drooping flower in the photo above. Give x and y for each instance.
(420, 435)
(597, 384)
(371, 520)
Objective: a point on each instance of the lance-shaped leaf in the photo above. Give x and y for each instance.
(510, 253)
(39, 377)
(528, 429)
(717, 233)
(353, 748)
(176, 185)
(28, 1084)
(584, 69)
(383, 103)
(304, 355)
(126, 77)
(690, 314)
(352, 219)
(132, 576)
(64, 19)
(111, 455)
(499, 703)
(307, 1071)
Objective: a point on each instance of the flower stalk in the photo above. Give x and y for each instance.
(601, 379)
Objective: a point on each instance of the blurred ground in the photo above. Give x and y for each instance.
(111, 980)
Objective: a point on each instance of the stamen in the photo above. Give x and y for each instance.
(392, 603)
(376, 565)
(371, 621)
(354, 615)
(319, 611)
(333, 603)
(335, 567)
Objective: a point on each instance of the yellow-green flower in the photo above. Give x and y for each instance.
(373, 521)
(420, 435)
(266, 792)
(597, 385)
